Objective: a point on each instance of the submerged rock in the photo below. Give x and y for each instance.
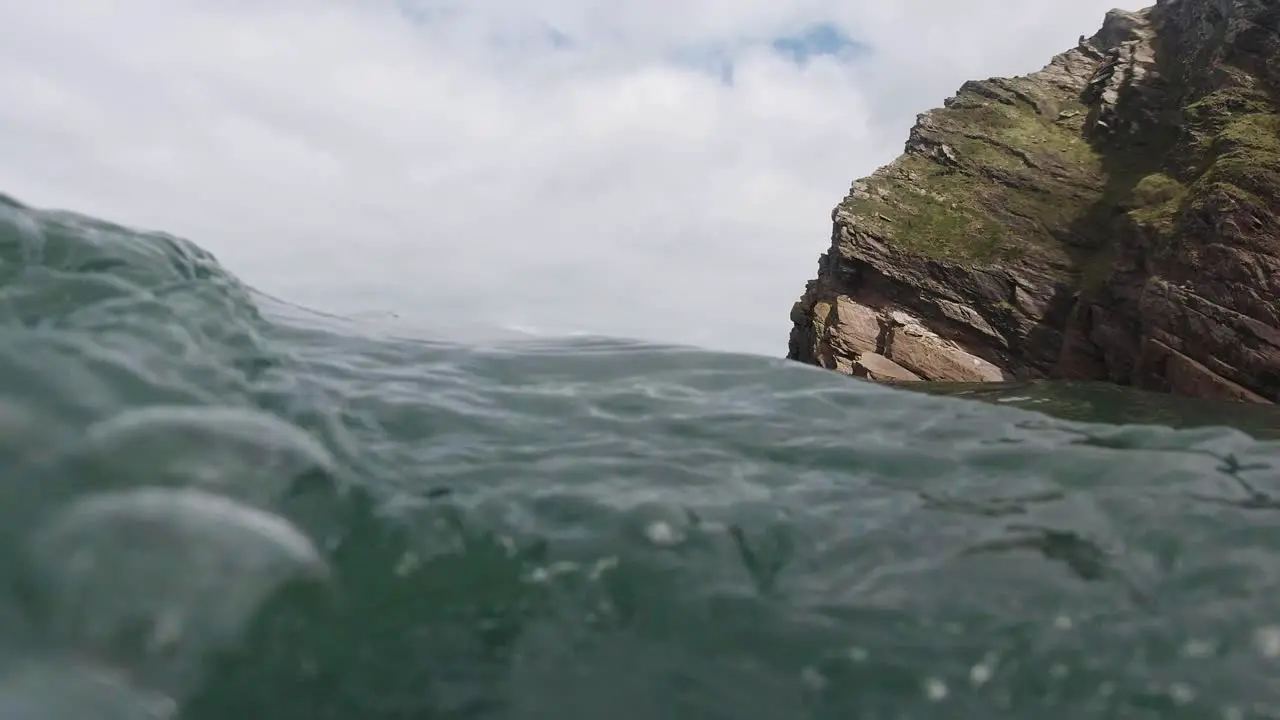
(1112, 216)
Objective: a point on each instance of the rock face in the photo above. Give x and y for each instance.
(1114, 216)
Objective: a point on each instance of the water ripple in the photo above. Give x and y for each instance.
(217, 504)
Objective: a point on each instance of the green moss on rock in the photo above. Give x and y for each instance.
(1210, 112)
(984, 182)
(1246, 154)
(1155, 190)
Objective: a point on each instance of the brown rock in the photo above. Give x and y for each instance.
(873, 366)
(856, 328)
(929, 356)
(1188, 377)
(1115, 215)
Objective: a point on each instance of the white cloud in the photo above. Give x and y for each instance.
(560, 164)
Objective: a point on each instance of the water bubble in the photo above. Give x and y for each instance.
(408, 563)
(813, 678)
(563, 567)
(858, 654)
(1198, 648)
(552, 571)
(661, 524)
(1182, 693)
(935, 689)
(979, 674)
(235, 451)
(74, 691)
(1267, 641)
(1063, 622)
(601, 566)
(154, 578)
(662, 534)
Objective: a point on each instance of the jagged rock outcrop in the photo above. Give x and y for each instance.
(1113, 216)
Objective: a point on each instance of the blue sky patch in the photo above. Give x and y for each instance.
(559, 40)
(714, 60)
(816, 40)
(428, 13)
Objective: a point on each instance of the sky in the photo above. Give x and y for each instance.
(662, 170)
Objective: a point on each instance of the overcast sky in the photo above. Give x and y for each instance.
(661, 169)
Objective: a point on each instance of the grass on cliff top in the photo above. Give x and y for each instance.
(1017, 138)
(1212, 112)
(1246, 153)
(1022, 181)
(1243, 169)
(1239, 171)
(931, 211)
(1237, 122)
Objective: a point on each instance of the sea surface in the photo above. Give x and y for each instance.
(216, 505)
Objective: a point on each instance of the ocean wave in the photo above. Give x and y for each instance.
(217, 503)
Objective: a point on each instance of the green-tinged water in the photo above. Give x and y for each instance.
(215, 505)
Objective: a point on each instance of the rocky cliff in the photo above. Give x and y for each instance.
(1113, 216)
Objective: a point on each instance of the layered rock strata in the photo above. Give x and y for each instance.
(1112, 216)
